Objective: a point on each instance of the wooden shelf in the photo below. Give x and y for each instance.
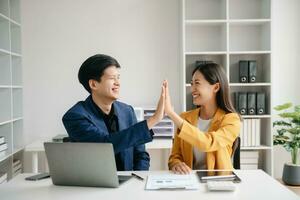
(3, 51)
(249, 52)
(204, 22)
(255, 116)
(10, 20)
(17, 87)
(205, 53)
(2, 16)
(249, 21)
(249, 84)
(15, 23)
(5, 86)
(12, 120)
(262, 147)
(223, 21)
(5, 122)
(17, 150)
(16, 54)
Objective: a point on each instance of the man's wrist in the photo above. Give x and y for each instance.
(152, 121)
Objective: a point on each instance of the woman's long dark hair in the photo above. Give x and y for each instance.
(214, 73)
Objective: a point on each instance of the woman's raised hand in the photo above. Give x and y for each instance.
(168, 105)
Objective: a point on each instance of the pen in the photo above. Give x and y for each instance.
(137, 176)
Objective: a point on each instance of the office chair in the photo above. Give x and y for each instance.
(235, 156)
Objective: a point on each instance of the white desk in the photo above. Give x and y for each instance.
(38, 146)
(255, 185)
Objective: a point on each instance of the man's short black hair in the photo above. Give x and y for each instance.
(93, 68)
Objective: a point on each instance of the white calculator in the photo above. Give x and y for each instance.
(221, 186)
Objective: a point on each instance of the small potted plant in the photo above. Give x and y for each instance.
(288, 135)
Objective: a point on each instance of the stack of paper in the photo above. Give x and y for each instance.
(249, 159)
(172, 181)
(17, 167)
(3, 147)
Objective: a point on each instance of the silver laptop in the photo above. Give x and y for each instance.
(83, 164)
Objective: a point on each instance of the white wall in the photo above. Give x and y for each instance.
(286, 69)
(57, 36)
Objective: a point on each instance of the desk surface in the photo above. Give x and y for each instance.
(255, 185)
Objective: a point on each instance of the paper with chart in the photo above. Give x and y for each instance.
(172, 181)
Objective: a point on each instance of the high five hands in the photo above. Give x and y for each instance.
(164, 107)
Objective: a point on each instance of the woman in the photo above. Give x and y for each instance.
(205, 135)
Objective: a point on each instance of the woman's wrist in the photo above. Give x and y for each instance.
(171, 114)
(170, 111)
(178, 121)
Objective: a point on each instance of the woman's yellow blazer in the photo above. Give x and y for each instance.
(217, 141)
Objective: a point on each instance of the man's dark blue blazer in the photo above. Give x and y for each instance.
(83, 124)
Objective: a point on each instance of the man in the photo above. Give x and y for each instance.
(100, 118)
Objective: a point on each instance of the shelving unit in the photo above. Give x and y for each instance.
(164, 129)
(11, 90)
(226, 31)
